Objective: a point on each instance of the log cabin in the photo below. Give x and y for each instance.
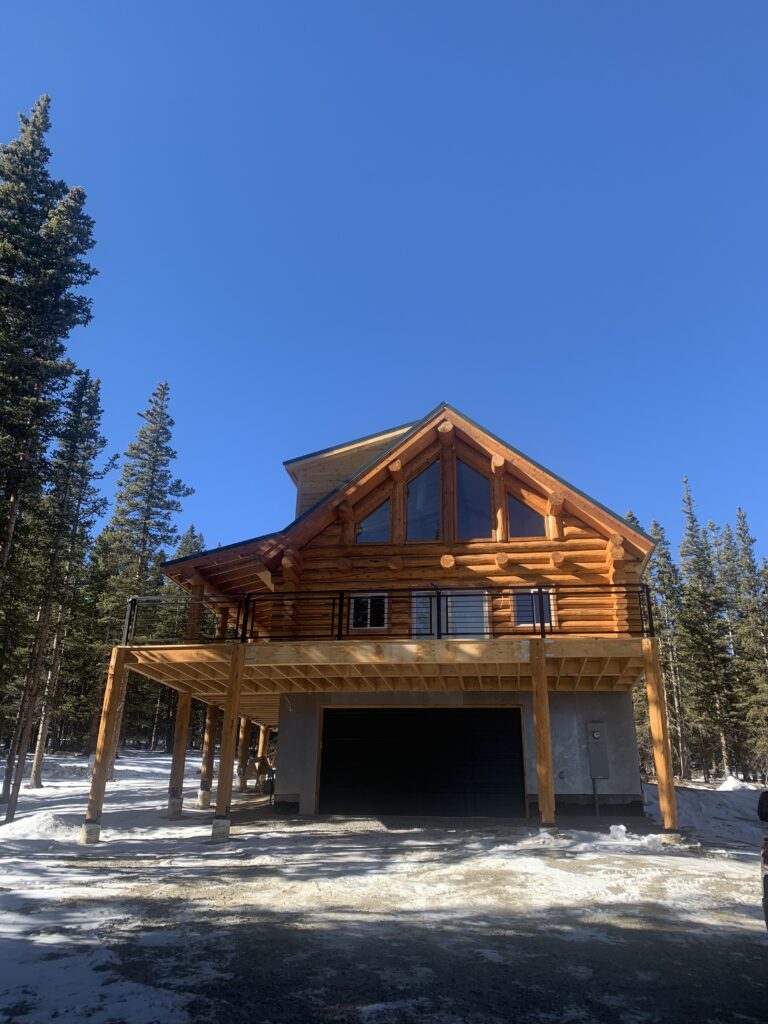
(445, 628)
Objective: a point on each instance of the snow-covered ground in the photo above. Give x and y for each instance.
(372, 921)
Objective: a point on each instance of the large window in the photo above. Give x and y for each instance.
(424, 501)
(523, 521)
(375, 527)
(473, 502)
(462, 614)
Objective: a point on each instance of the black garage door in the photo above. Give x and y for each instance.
(462, 761)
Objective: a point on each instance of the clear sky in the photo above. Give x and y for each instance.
(318, 220)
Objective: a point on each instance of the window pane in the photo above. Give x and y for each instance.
(378, 611)
(375, 527)
(424, 505)
(359, 612)
(473, 502)
(526, 609)
(523, 521)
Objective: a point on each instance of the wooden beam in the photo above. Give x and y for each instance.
(221, 823)
(264, 732)
(114, 695)
(543, 733)
(194, 614)
(396, 469)
(209, 751)
(242, 754)
(659, 728)
(180, 740)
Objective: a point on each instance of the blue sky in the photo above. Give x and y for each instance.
(320, 220)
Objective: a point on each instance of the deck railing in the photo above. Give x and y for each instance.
(378, 612)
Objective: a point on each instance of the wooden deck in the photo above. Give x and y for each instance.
(585, 664)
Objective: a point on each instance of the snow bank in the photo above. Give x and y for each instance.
(726, 816)
(732, 784)
(41, 825)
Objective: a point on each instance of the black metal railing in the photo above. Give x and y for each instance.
(430, 612)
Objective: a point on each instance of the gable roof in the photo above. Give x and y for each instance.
(269, 546)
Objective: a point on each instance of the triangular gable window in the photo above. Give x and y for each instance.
(523, 521)
(375, 527)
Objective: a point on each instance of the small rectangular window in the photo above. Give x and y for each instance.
(368, 611)
(527, 608)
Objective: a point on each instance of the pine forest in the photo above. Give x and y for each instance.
(69, 556)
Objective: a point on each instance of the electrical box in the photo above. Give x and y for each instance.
(597, 748)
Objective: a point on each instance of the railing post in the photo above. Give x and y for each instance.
(542, 619)
(246, 613)
(130, 620)
(649, 609)
(340, 623)
(438, 615)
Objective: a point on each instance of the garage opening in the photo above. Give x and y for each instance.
(438, 761)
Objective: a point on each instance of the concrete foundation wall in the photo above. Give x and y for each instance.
(301, 716)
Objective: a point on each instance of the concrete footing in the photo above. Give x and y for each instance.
(204, 798)
(220, 830)
(90, 832)
(672, 838)
(174, 806)
(242, 785)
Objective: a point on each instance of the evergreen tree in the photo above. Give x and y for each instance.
(44, 235)
(68, 511)
(664, 579)
(132, 546)
(702, 645)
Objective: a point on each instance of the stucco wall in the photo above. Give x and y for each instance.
(299, 736)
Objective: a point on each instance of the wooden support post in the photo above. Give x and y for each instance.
(194, 614)
(209, 751)
(498, 465)
(220, 831)
(264, 732)
(180, 741)
(544, 769)
(223, 624)
(657, 718)
(242, 754)
(554, 520)
(114, 695)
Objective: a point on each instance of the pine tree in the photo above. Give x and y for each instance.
(44, 234)
(169, 626)
(132, 546)
(667, 589)
(751, 639)
(70, 507)
(702, 645)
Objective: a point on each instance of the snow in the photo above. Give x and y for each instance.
(120, 933)
(719, 816)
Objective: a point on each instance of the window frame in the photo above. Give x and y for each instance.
(367, 595)
(519, 592)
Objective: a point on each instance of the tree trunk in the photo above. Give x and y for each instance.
(32, 689)
(36, 778)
